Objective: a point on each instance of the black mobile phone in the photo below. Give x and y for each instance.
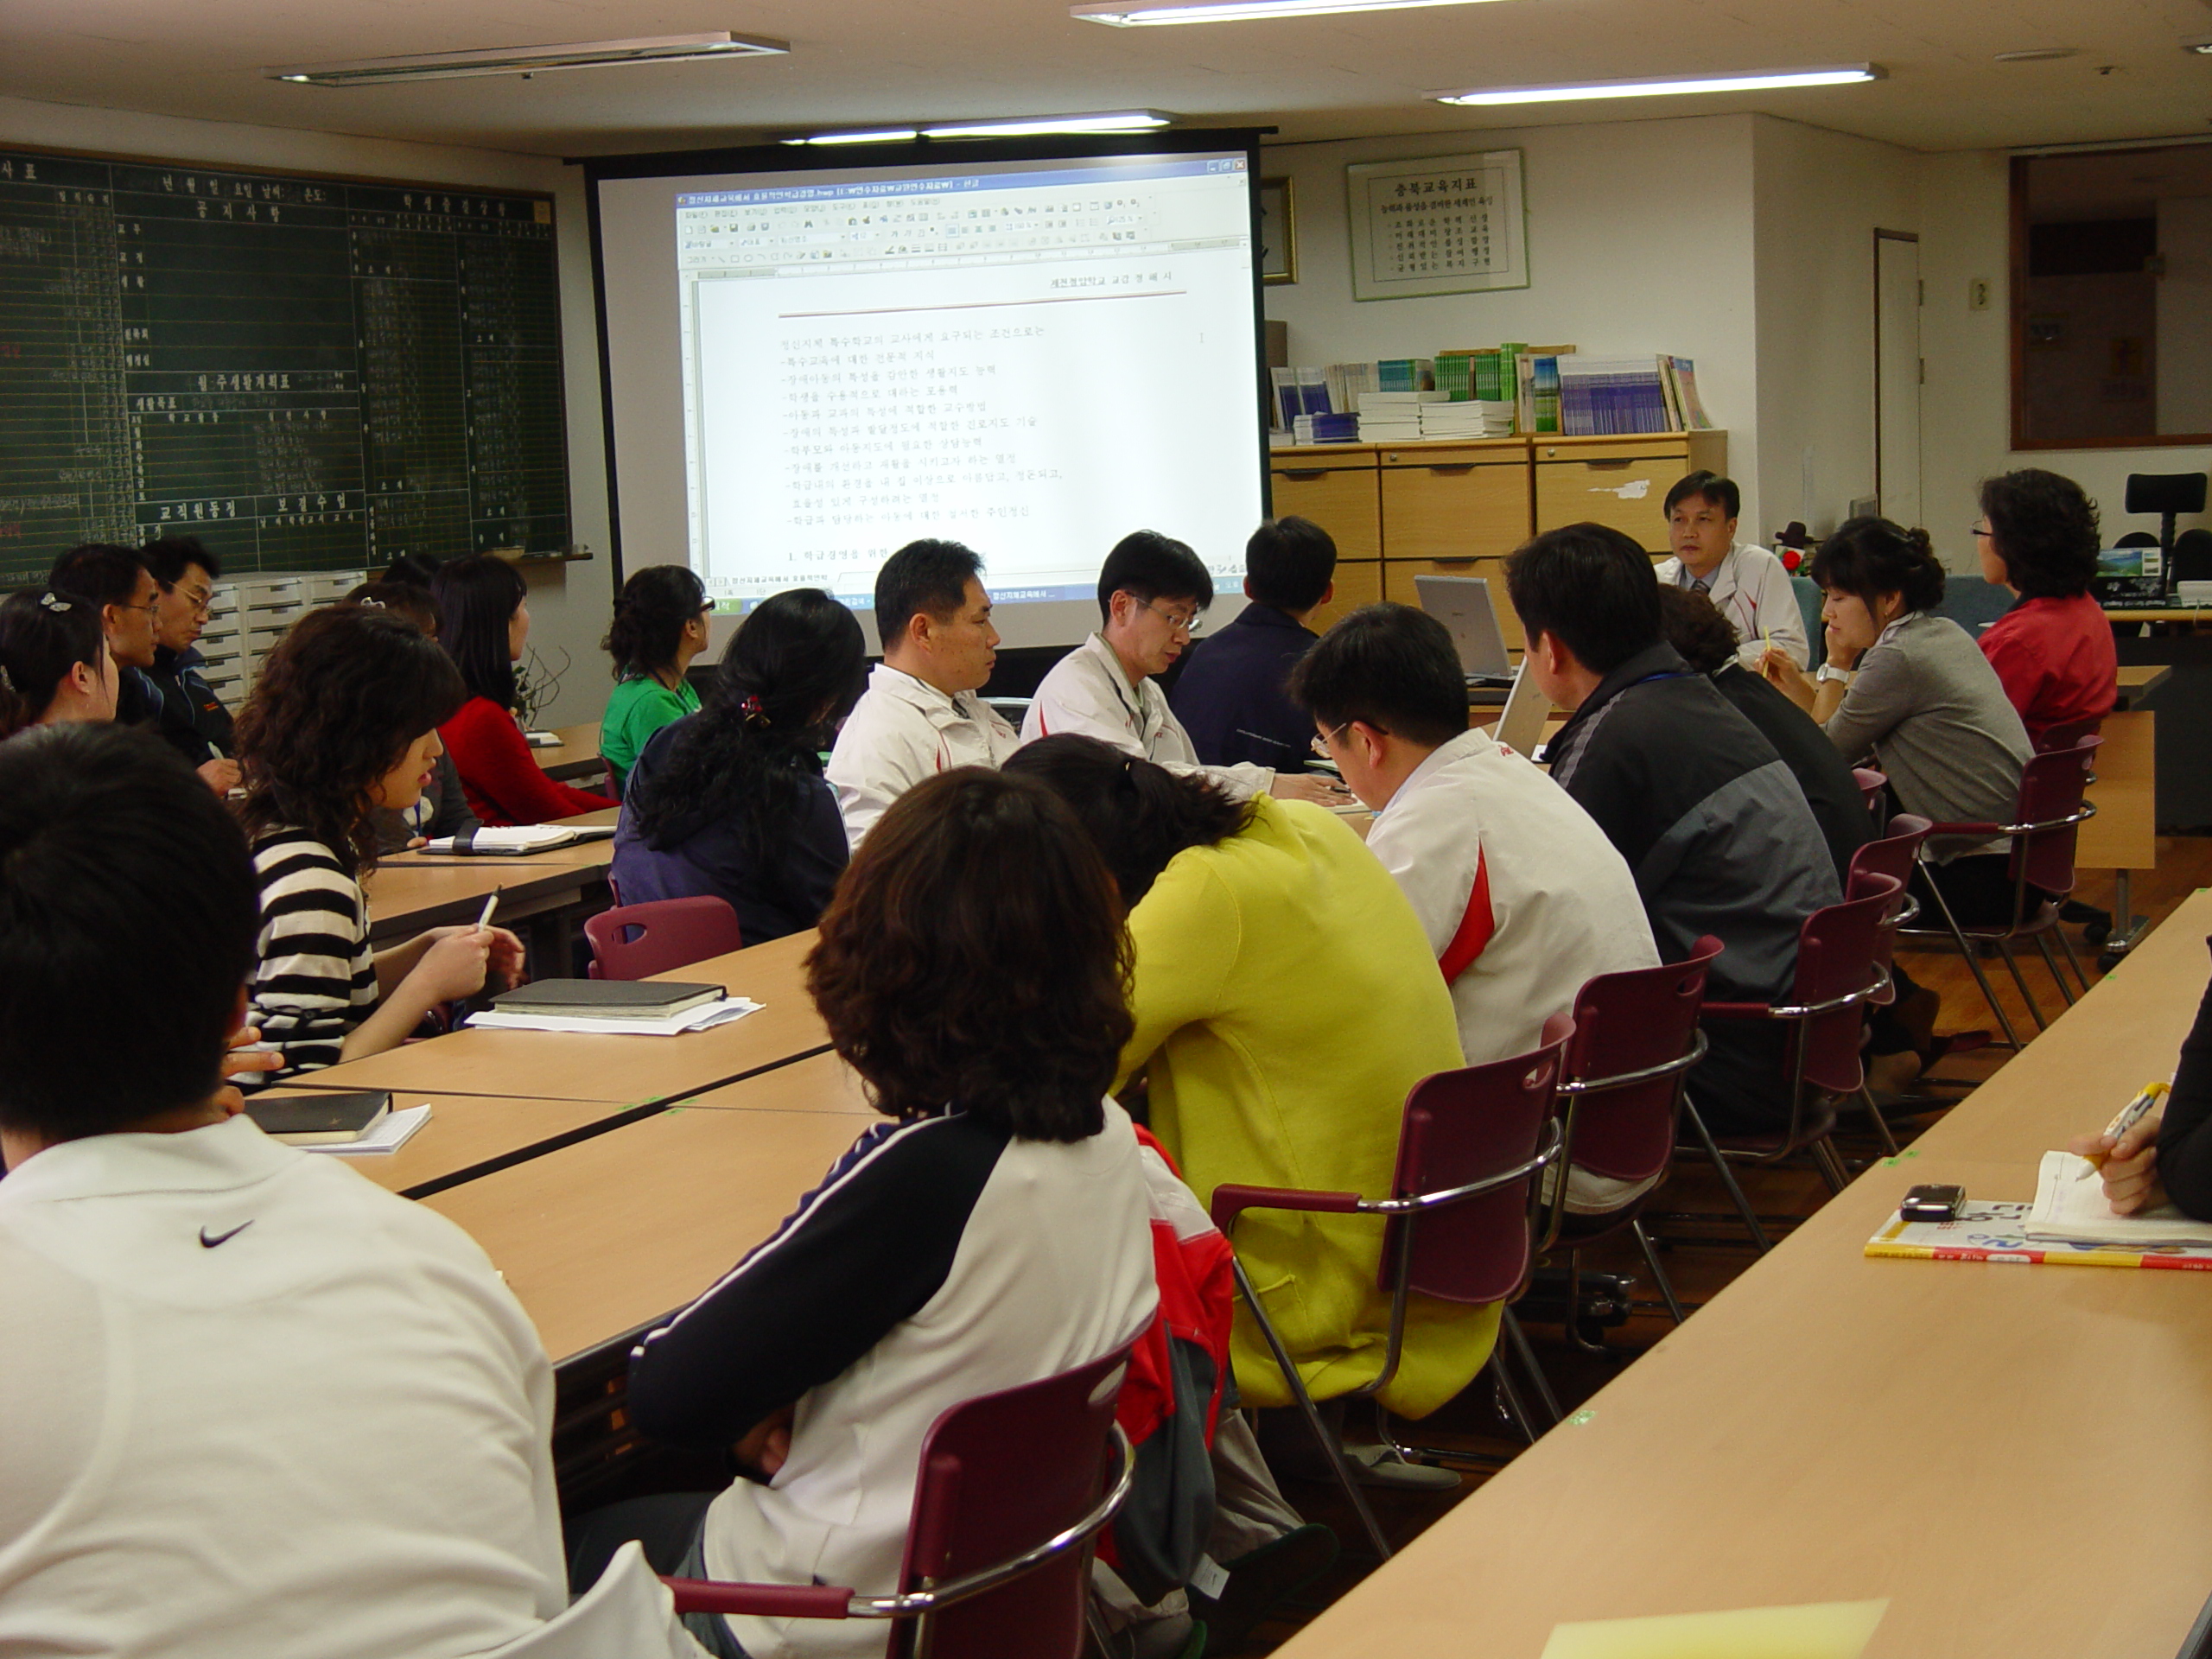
(1937, 1202)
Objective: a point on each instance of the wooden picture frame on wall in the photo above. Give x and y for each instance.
(1278, 249)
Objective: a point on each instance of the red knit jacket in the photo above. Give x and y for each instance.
(500, 776)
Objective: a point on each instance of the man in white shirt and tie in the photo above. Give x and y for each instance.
(921, 714)
(1746, 583)
(1152, 593)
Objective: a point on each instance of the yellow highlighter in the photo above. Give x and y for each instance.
(2130, 1114)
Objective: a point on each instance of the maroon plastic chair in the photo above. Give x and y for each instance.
(1636, 1040)
(1006, 1502)
(1472, 1146)
(2046, 821)
(2068, 735)
(1837, 977)
(1874, 790)
(669, 933)
(1895, 856)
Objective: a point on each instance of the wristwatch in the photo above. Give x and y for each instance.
(1840, 676)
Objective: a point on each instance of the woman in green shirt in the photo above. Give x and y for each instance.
(660, 625)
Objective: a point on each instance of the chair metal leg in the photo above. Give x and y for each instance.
(1881, 1123)
(2020, 979)
(1331, 1448)
(1728, 1176)
(1973, 962)
(1572, 1327)
(1829, 1163)
(1658, 1273)
(2050, 961)
(1511, 1396)
(2073, 961)
(1522, 1346)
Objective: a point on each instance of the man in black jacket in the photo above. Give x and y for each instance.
(192, 718)
(1229, 695)
(1711, 821)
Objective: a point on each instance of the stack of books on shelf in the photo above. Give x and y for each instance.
(1463, 421)
(1461, 394)
(1394, 416)
(1326, 428)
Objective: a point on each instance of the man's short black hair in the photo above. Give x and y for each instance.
(169, 556)
(1391, 666)
(1289, 563)
(128, 910)
(930, 576)
(1721, 492)
(98, 571)
(1591, 588)
(1153, 566)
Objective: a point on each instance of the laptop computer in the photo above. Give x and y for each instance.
(1464, 605)
(1521, 727)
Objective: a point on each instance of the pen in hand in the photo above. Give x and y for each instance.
(2129, 1116)
(490, 906)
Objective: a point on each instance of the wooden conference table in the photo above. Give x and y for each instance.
(578, 755)
(539, 894)
(2018, 1458)
(601, 1239)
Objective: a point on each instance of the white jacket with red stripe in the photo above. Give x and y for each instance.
(1523, 897)
(902, 732)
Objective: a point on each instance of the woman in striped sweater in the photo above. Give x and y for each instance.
(343, 724)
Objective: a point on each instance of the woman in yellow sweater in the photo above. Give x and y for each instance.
(1286, 1000)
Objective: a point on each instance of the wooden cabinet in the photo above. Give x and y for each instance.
(1622, 482)
(1452, 510)
(1336, 489)
(1359, 581)
(1458, 509)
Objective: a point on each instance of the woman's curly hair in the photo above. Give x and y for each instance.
(2046, 529)
(974, 960)
(339, 698)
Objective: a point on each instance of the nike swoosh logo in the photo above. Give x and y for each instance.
(222, 1238)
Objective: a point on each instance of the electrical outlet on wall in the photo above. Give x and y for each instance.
(1978, 293)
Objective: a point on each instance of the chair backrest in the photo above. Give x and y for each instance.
(1809, 600)
(638, 941)
(1874, 790)
(1001, 1474)
(1972, 603)
(2051, 787)
(629, 1612)
(1459, 1127)
(1894, 855)
(1626, 1023)
(2068, 735)
(1837, 950)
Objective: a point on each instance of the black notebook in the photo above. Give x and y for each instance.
(607, 999)
(319, 1120)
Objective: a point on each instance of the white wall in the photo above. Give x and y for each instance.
(1818, 197)
(569, 603)
(1965, 408)
(1640, 240)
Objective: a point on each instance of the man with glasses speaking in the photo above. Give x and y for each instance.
(1152, 593)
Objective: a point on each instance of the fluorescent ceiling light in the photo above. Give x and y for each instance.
(530, 60)
(1015, 127)
(1755, 81)
(1238, 11)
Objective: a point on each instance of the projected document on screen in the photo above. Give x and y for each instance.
(1033, 362)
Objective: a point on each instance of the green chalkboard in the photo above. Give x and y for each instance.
(307, 373)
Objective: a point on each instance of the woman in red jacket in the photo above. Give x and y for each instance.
(2053, 650)
(483, 623)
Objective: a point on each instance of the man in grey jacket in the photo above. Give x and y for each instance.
(1712, 823)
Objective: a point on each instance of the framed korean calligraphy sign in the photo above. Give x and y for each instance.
(1441, 225)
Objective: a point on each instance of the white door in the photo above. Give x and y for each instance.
(1897, 375)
